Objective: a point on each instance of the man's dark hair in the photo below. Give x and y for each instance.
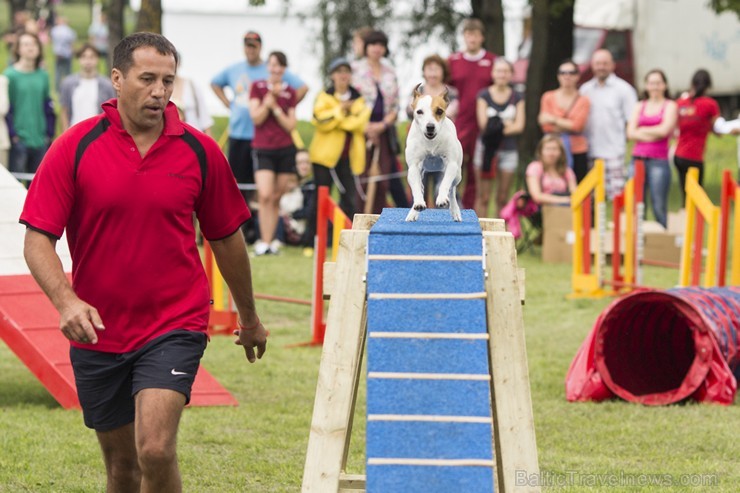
(123, 54)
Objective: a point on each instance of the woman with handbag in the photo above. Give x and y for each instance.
(499, 100)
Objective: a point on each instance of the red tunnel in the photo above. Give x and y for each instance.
(661, 347)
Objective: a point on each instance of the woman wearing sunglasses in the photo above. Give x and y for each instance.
(563, 111)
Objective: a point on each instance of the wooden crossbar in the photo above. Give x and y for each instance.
(426, 296)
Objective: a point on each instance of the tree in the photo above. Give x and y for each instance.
(115, 23)
(150, 16)
(552, 42)
(433, 16)
(340, 18)
(16, 6)
(491, 13)
(720, 6)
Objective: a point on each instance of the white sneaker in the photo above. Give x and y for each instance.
(261, 248)
(275, 246)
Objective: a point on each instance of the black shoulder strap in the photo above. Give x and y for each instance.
(88, 139)
(200, 152)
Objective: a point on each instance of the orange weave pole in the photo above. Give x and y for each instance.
(728, 194)
(219, 321)
(325, 213)
(618, 207)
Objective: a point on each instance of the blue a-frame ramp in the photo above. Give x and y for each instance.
(448, 401)
(430, 423)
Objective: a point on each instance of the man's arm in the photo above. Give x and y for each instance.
(300, 93)
(78, 319)
(233, 262)
(221, 95)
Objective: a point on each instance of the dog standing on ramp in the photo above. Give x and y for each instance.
(433, 134)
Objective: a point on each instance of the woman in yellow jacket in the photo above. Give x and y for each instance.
(338, 149)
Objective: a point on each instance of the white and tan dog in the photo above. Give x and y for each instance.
(433, 134)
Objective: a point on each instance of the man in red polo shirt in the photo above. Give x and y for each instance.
(470, 71)
(125, 185)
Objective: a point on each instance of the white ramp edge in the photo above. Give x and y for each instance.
(12, 197)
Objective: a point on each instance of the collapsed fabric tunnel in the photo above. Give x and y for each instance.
(662, 347)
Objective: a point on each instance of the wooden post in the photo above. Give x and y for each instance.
(339, 371)
(514, 436)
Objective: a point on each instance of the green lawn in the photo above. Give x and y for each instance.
(260, 445)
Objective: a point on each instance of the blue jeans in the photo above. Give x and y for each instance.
(657, 186)
(24, 159)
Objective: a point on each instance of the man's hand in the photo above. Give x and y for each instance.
(79, 322)
(250, 338)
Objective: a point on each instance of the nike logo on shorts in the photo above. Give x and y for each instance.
(175, 372)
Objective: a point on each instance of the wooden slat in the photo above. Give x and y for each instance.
(351, 483)
(328, 279)
(521, 278)
(430, 462)
(427, 335)
(339, 369)
(490, 224)
(514, 436)
(426, 296)
(428, 376)
(363, 222)
(433, 258)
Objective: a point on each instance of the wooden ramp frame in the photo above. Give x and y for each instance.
(339, 373)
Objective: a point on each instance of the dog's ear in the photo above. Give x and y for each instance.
(417, 91)
(446, 95)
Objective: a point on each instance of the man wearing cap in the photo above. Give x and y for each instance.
(239, 77)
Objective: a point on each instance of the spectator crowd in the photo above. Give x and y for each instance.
(355, 148)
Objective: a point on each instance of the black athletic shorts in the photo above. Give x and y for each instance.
(240, 160)
(276, 160)
(108, 382)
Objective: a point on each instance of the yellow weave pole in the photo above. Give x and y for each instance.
(688, 234)
(224, 138)
(697, 201)
(710, 274)
(735, 272)
(589, 285)
(339, 222)
(629, 232)
(217, 289)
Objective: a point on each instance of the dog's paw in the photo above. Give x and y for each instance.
(419, 206)
(443, 202)
(412, 216)
(456, 215)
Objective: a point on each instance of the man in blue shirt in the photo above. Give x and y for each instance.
(239, 77)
